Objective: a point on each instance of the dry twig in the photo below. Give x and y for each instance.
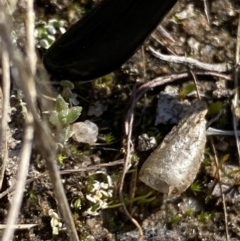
(218, 174)
(19, 226)
(220, 68)
(236, 94)
(207, 10)
(128, 151)
(196, 84)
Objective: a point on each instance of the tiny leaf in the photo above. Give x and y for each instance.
(73, 114)
(215, 108)
(61, 104)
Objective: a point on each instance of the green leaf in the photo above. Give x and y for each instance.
(224, 159)
(66, 133)
(109, 138)
(203, 216)
(62, 115)
(73, 114)
(73, 99)
(53, 119)
(61, 158)
(61, 104)
(196, 187)
(176, 219)
(208, 198)
(215, 108)
(77, 203)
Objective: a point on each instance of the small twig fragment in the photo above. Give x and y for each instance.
(224, 67)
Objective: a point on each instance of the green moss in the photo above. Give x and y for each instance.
(208, 198)
(215, 108)
(104, 85)
(186, 89)
(189, 212)
(61, 158)
(109, 138)
(176, 219)
(77, 203)
(32, 196)
(196, 187)
(203, 216)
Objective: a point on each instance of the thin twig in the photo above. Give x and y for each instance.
(216, 132)
(19, 226)
(165, 34)
(133, 185)
(207, 10)
(196, 85)
(143, 61)
(128, 151)
(236, 93)
(159, 81)
(220, 186)
(224, 67)
(161, 35)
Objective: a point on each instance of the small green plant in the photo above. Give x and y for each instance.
(196, 187)
(147, 125)
(203, 216)
(147, 198)
(186, 89)
(208, 198)
(67, 93)
(55, 222)
(32, 195)
(224, 159)
(207, 160)
(99, 193)
(77, 204)
(176, 219)
(61, 158)
(134, 157)
(215, 108)
(109, 138)
(63, 116)
(104, 84)
(190, 212)
(46, 32)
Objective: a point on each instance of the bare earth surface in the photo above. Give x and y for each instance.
(197, 213)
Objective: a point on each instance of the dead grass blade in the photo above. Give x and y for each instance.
(5, 96)
(236, 94)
